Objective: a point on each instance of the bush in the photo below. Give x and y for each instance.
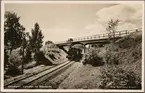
(93, 58)
(39, 57)
(116, 55)
(129, 41)
(123, 68)
(15, 61)
(28, 56)
(13, 70)
(113, 77)
(111, 57)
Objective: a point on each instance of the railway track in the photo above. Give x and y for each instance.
(33, 79)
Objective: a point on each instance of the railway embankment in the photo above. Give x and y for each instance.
(113, 66)
(48, 56)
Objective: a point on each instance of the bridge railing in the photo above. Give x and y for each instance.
(104, 36)
(107, 35)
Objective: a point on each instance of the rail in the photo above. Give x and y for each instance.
(26, 80)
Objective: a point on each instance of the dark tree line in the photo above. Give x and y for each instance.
(16, 37)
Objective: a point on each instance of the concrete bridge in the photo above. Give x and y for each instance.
(95, 39)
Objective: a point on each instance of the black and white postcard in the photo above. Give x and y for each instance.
(72, 46)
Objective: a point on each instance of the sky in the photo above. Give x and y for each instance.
(59, 22)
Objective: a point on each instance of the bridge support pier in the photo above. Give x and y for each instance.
(84, 52)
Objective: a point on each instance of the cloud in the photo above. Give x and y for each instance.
(130, 16)
(123, 12)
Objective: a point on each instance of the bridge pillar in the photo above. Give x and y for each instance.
(84, 47)
(84, 51)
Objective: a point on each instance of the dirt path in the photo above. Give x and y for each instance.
(83, 77)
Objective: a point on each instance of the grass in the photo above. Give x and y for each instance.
(122, 68)
(115, 77)
(123, 64)
(83, 77)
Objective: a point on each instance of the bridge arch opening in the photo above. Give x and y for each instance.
(75, 52)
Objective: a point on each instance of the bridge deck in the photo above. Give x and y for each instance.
(100, 37)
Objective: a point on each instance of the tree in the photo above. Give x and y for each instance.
(25, 50)
(23, 46)
(111, 28)
(70, 41)
(28, 52)
(14, 35)
(36, 38)
(13, 31)
(48, 42)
